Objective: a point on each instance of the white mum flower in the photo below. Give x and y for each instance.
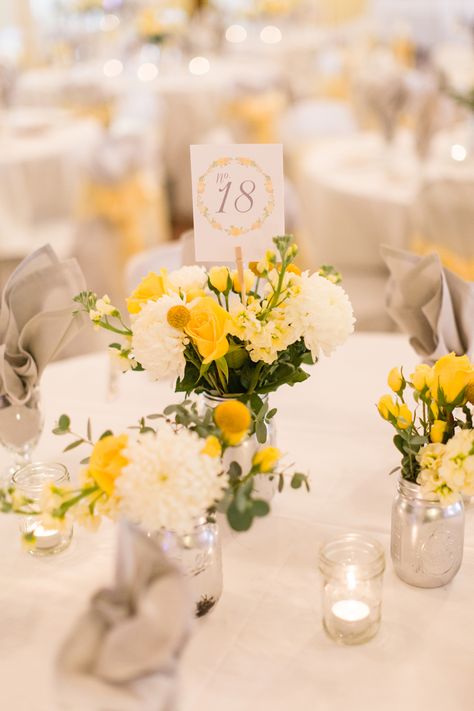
(168, 483)
(321, 313)
(188, 279)
(158, 346)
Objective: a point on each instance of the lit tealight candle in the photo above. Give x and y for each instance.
(350, 610)
(46, 537)
(270, 35)
(236, 34)
(458, 152)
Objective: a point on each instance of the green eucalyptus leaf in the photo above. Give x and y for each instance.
(64, 422)
(73, 445)
(107, 433)
(260, 508)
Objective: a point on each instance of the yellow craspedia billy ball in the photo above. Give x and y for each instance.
(233, 419)
(178, 317)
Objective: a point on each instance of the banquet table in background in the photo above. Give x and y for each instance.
(263, 647)
(355, 194)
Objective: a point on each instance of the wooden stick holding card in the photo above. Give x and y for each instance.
(240, 273)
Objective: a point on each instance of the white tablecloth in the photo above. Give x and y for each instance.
(263, 647)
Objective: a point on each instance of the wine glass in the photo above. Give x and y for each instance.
(20, 429)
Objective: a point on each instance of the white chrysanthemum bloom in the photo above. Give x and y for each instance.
(188, 279)
(158, 346)
(457, 467)
(321, 313)
(168, 483)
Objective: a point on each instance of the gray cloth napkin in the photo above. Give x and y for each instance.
(122, 654)
(36, 320)
(429, 303)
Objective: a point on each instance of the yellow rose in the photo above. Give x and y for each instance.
(434, 409)
(420, 376)
(107, 461)
(386, 406)
(219, 276)
(265, 459)
(438, 428)
(395, 380)
(212, 447)
(233, 419)
(151, 288)
(208, 328)
(249, 279)
(404, 417)
(451, 374)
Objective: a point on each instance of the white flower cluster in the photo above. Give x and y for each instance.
(188, 279)
(158, 346)
(168, 482)
(312, 308)
(448, 469)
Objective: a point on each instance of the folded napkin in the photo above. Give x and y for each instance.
(122, 654)
(431, 304)
(36, 320)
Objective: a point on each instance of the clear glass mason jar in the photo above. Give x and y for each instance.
(199, 555)
(264, 487)
(30, 481)
(352, 569)
(427, 537)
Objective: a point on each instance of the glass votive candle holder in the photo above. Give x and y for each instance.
(30, 481)
(352, 569)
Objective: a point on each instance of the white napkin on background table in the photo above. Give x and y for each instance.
(36, 320)
(122, 654)
(431, 304)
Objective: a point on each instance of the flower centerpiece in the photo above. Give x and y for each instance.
(435, 436)
(201, 330)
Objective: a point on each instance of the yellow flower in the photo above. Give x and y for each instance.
(387, 406)
(265, 459)
(451, 374)
(208, 328)
(151, 288)
(420, 376)
(249, 279)
(434, 409)
(233, 419)
(107, 461)
(404, 417)
(212, 447)
(438, 428)
(395, 380)
(218, 276)
(178, 317)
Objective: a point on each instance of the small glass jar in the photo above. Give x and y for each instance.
(199, 555)
(30, 481)
(352, 568)
(427, 537)
(20, 429)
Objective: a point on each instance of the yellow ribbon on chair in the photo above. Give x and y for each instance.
(258, 115)
(127, 206)
(462, 266)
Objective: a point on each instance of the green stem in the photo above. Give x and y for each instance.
(255, 377)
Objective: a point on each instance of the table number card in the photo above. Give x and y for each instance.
(238, 200)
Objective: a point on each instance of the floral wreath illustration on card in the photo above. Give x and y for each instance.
(245, 194)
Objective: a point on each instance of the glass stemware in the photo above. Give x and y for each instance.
(20, 429)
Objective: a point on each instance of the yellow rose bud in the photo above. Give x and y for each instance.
(253, 266)
(151, 288)
(265, 459)
(404, 417)
(420, 376)
(208, 328)
(249, 279)
(438, 428)
(395, 380)
(233, 419)
(434, 409)
(212, 447)
(218, 276)
(386, 406)
(107, 461)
